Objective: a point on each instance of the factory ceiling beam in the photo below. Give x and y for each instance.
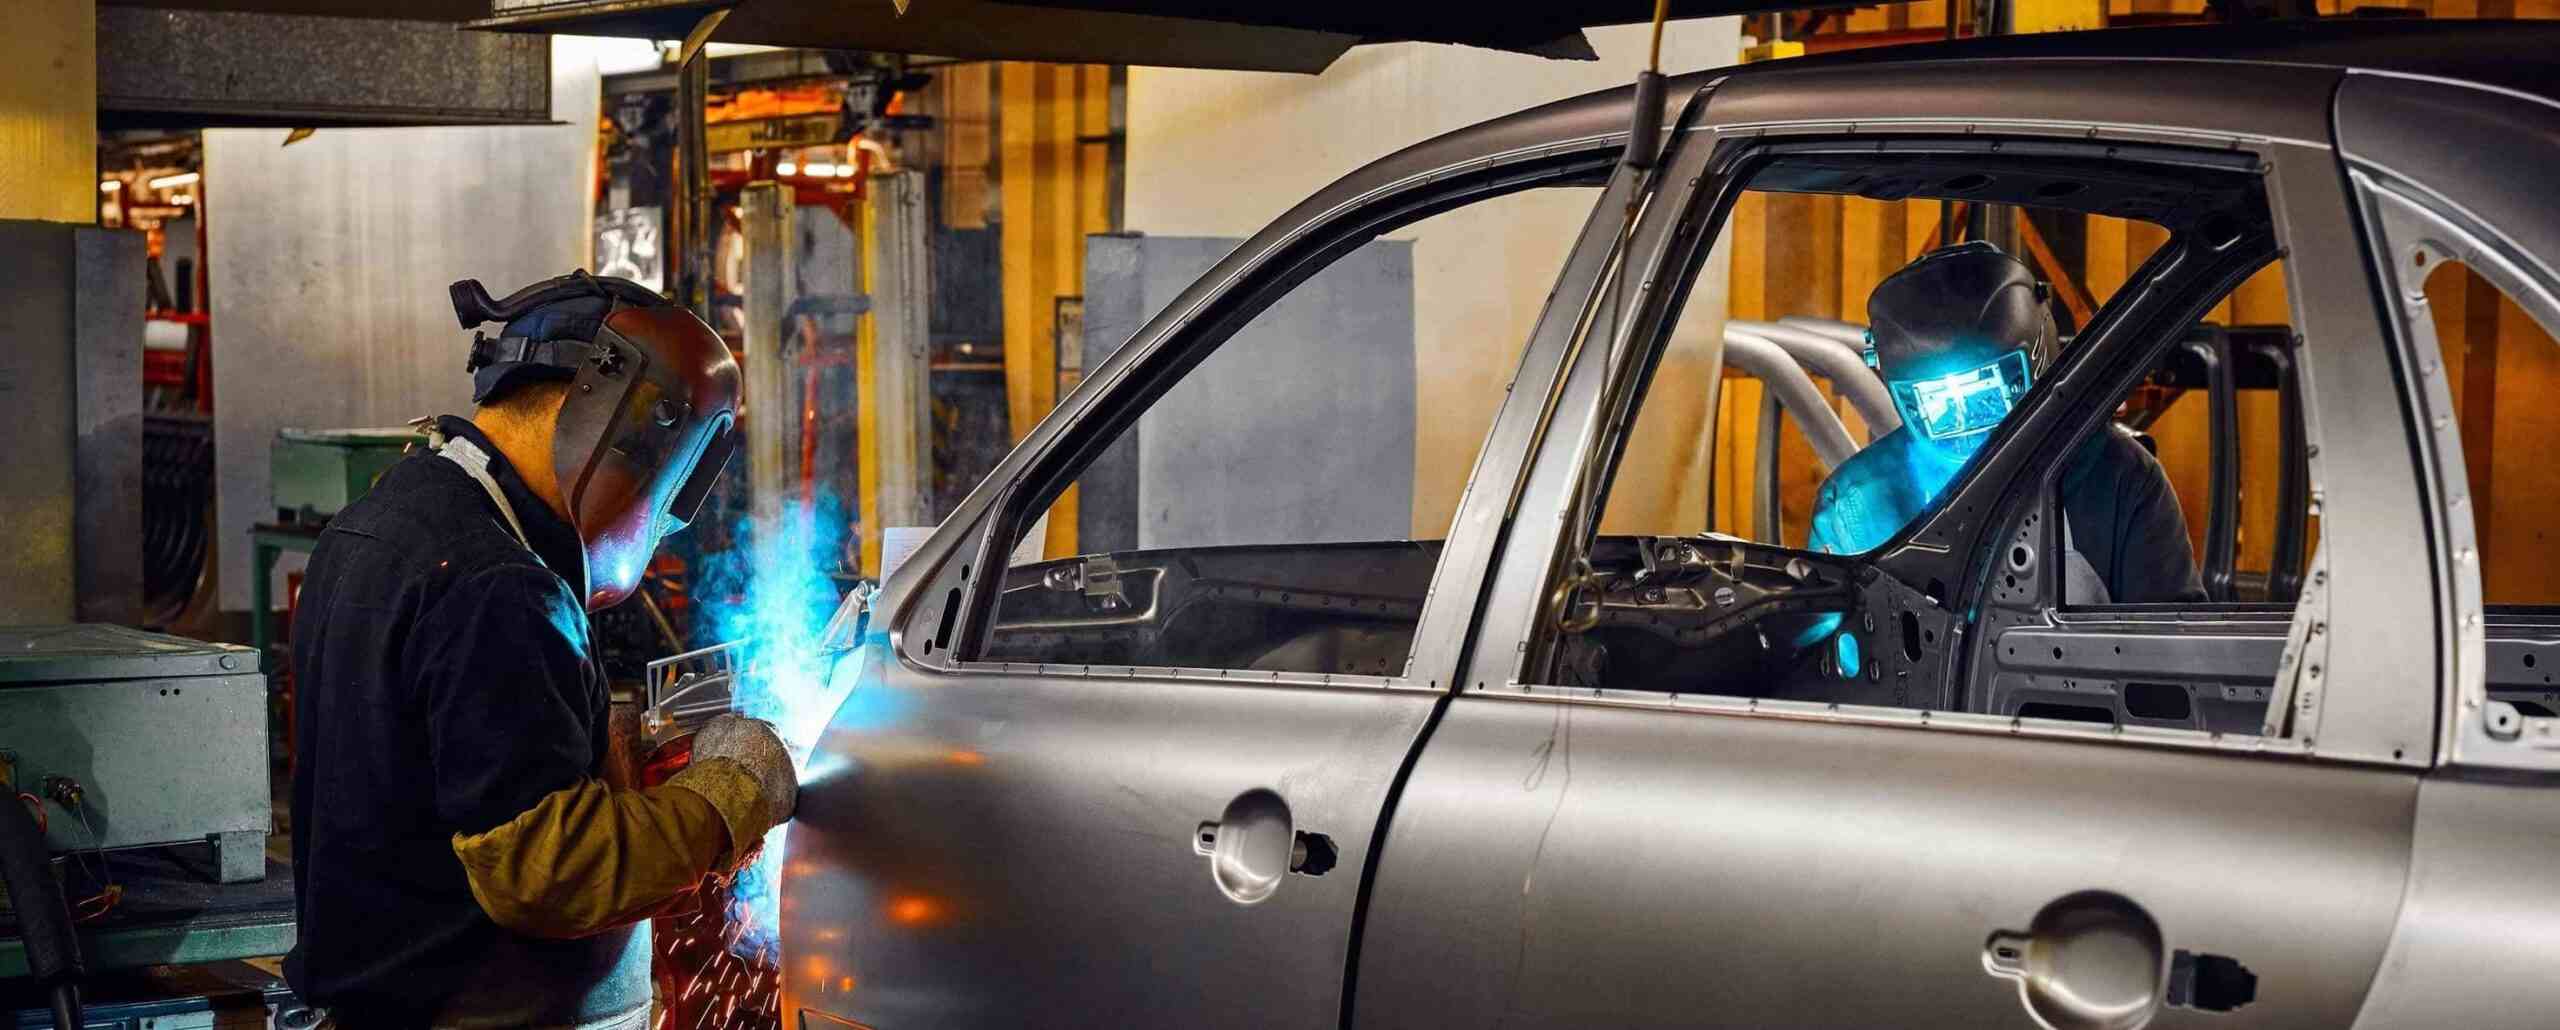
(950, 28)
(408, 10)
(201, 69)
(1301, 36)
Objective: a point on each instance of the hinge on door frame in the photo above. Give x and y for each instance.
(1099, 576)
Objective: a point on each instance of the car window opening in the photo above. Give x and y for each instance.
(1282, 506)
(1775, 580)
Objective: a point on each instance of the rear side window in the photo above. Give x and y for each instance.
(2501, 366)
(1281, 507)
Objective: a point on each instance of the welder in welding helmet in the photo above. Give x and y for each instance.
(1959, 336)
(467, 852)
(647, 423)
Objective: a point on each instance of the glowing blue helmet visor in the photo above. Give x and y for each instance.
(1963, 404)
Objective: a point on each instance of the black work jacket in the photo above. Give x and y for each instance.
(443, 683)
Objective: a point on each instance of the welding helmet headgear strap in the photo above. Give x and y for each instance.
(548, 328)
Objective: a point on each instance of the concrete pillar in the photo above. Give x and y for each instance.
(896, 363)
(49, 111)
(772, 415)
(70, 372)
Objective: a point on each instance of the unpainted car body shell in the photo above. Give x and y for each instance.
(1003, 844)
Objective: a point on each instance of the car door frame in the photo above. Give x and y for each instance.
(933, 613)
(2279, 113)
(2365, 475)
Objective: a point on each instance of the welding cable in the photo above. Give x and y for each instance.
(44, 922)
(109, 891)
(1661, 13)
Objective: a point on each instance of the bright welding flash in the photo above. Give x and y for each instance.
(1967, 402)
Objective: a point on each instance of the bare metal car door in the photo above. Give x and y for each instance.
(985, 840)
(1575, 856)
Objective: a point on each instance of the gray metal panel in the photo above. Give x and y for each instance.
(2383, 651)
(1007, 851)
(203, 68)
(1644, 868)
(107, 373)
(1318, 388)
(328, 268)
(167, 737)
(1116, 304)
(2475, 944)
(2263, 101)
(2485, 153)
(944, 781)
(85, 653)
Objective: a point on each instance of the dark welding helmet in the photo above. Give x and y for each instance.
(1958, 335)
(651, 414)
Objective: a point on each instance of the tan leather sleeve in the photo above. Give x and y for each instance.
(589, 858)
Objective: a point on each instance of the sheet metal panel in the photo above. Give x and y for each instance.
(1561, 863)
(328, 268)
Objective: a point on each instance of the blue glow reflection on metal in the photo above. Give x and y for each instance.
(1844, 653)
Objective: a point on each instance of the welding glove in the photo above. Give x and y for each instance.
(756, 802)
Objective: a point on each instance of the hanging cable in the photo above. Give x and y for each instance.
(1661, 13)
(1644, 135)
(44, 921)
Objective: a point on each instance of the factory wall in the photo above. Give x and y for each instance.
(329, 260)
(1215, 153)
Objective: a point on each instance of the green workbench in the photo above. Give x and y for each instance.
(173, 914)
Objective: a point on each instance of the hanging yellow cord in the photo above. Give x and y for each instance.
(1661, 12)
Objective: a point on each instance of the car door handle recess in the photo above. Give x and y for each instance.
(2092, 960)
(1254, 843)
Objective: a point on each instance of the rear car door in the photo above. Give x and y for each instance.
(1646, 808)
(1130, 774)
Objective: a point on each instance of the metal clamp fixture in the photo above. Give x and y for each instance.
(689, 689)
